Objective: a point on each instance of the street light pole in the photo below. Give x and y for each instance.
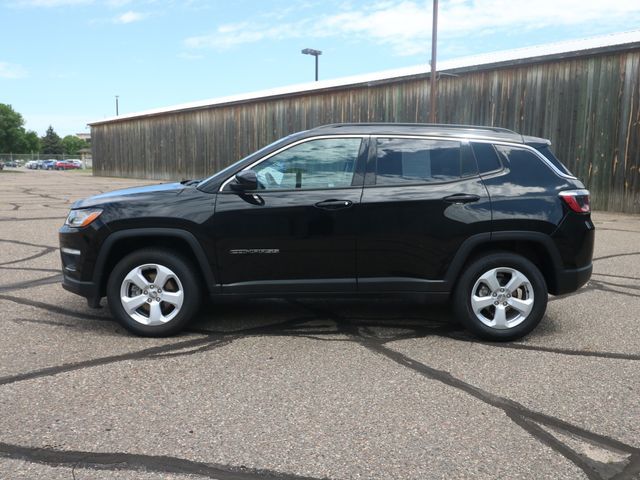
(117, 105)
(315, 53)
(434, 76)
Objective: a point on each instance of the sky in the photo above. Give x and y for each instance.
(62, 62)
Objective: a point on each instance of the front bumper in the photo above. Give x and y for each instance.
(89, 290)
(78, 251)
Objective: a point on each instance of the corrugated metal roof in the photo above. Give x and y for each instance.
(614, 41)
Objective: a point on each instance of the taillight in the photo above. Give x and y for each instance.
(577, 200)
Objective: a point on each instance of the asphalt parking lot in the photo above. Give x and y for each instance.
(272, 389)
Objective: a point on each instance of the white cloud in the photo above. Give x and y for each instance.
(190, 56)
(49, 3)
(405, 25)
(117, 3)
(12, 71)
(129, 17)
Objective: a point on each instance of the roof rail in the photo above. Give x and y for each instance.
(432, 125)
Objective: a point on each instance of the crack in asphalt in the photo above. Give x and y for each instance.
(32, 269)
(356, 330)
(45, 251)
(417, 331)
(21, 219)
(207, 342)
(56, 278)
(28, 244)
(94, 362)
(606, 287)
(53, 308)
(616, 230)
(616, 276)
(540, 348)
(524, 417)
(615, 255)
(139, 462)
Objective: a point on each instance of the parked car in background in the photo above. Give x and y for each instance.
(11, 163)
(65, 165)
(1, 165)
(482, 217)
(49, 164)
(31, 165)
(76, 162)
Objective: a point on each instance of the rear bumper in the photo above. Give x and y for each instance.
(570, 280)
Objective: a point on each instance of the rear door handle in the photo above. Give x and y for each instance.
(461, 198)
(334, 204)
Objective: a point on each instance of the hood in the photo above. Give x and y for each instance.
(128, 194)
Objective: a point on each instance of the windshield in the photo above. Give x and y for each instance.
(225, 172)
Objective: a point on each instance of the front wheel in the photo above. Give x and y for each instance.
(501, 296)
(153, 292)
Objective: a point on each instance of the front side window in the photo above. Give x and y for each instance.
(408, 160)
(316, 164)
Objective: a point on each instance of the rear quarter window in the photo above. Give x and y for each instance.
(546, 151)
(526, 168)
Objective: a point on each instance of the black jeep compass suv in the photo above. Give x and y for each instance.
(482, 216)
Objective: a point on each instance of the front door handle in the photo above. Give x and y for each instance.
(461, 198)
(334, 204)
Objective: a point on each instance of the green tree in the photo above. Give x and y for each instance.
(11, 130)
(51, 142)
(73, 144)
(31, 142)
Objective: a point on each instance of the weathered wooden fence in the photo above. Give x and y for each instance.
(589, 106)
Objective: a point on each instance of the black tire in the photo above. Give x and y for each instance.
(500, 260)
(187, 283)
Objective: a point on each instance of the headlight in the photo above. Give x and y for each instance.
(83, 217)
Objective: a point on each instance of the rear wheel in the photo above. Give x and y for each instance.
(501, 296)
(153, 292)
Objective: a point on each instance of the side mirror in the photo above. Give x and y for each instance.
(245, 180)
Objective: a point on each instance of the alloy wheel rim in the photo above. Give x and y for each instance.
(151, 294)
(502, 298)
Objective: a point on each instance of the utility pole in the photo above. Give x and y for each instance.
(434, 76)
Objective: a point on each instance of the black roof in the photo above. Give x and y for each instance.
(444, 130)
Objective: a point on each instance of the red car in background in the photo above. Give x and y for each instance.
(65, 165)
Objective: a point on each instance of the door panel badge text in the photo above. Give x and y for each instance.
(254, 251)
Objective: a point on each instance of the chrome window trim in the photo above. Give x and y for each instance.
(286, 147)
(374, 136)
(524, 146)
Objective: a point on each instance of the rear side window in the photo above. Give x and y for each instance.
(546, 151)
(409, 160)
(486, 157)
